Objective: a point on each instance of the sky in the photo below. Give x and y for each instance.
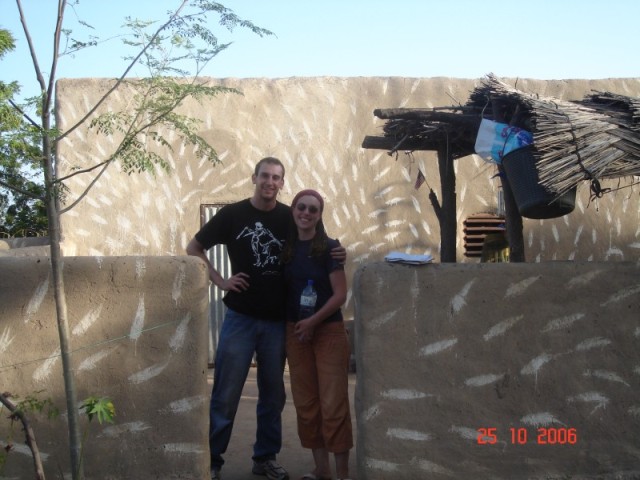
(544, 39)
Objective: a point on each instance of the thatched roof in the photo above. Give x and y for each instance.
(595, 138)
(592, 139)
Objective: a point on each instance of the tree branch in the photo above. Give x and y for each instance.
(122, 77)
(85, 170)
(86, 190)
(28, 431)
(20, 190)
(25, 115)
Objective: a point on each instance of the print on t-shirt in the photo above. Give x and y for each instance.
(265, 246)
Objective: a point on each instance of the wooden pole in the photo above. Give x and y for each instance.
(513, 221)
(448, 221)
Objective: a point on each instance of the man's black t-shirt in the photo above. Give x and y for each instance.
(254, 241)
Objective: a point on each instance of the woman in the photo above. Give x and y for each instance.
(318, 346)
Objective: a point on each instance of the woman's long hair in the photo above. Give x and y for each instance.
(318, 243)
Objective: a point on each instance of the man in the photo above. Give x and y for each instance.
(253, 230)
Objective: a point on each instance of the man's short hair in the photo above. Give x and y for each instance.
(270, 160)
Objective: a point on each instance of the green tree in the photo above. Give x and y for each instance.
(22, 209)
(174, 54)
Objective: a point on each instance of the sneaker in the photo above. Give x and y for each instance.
(215, 474)
(271, 469)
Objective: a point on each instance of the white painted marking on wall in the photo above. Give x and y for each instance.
(465, 432)
(183, 448)
(370, 229)
(622, 294)
(377, 213)
(390, 237)
(336, 219)
(148, 373)
(431, 467)
(345, 211)
(89, 319)
(185, 405)
(395, 223)
(482, 380)
(361, 258)
(382, 193)
(500, 328)
(534, 366)
(98, 219)
(347, 144)
(584, 279)
(372, 412)
(406, 434)
(590, 397)
(614, 251)
(384, 318)
(385, 85)
(556, 234)
(178, 338)
(605, 375)
(36, 299)
(562, 322)
(394, 201)
(459, 300)
(382, 174)
(593, 343)
(377, 246)
(138, 321)
(541, 419)
(383, 465)
(130, 427)
(426, 227)
(416, 204)
(437, 347)
(404, 394)
(91, 362)
(634, 245)
(178, 282)
(520, 287)
(44, 371)
(6, 339)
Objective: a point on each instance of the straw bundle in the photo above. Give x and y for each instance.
(574, 141)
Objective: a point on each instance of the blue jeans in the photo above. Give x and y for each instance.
(240, 337)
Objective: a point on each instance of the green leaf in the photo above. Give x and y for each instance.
(102, 408)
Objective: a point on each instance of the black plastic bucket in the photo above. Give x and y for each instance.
(532, 199)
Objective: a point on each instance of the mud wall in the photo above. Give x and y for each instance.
(138, 329)
(498, 371)
(316, 127)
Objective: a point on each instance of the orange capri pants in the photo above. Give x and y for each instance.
(320, 387)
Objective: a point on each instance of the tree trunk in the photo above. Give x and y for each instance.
(57, 267)
(448, 221)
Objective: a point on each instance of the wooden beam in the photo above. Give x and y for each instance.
(391, 143)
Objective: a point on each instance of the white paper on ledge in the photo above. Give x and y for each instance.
(400, 257)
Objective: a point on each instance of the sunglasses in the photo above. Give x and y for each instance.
(302, 207)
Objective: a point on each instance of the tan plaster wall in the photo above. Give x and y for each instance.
(139, 334)
(316, 127)
(446, 349)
